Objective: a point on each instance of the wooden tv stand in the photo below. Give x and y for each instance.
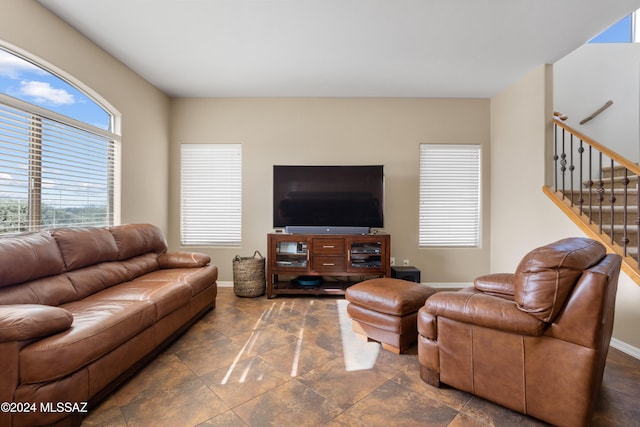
(335, 262)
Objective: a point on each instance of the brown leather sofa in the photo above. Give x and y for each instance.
(535, 341)
(82, 308)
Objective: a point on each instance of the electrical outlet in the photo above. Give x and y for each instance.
(405, 262)
(393, 260)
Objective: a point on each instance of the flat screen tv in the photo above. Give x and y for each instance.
(328, 199)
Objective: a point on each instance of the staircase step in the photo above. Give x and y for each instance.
(593, 196)
(603, 212)
(618, 234)
(618, 182)
(617, 170)
(618, 214)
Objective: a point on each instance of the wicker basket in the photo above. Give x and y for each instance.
(248, 275)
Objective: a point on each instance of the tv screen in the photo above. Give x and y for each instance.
(342, 196)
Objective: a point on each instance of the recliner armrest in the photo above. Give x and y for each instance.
(501, 284)
(480, 309)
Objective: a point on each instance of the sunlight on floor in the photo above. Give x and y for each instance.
(359, 355)
(296, 356)
(255, 333)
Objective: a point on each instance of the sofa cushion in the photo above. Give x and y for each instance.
(28, 257)
(98, 327)
(198, 279)
(166, 296)
(95, 278)
(141, 264)
(54, 290)
(21, 322)
(81, 247)
(138, 239)
(545, 276)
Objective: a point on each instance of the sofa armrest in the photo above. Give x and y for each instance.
(501, 285)
(21, 322)
(183, 260)
(480, 309)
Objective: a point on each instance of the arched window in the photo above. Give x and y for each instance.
(58, 152)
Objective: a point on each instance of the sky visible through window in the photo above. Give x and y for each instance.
(51, 172)
(620, 32)
(30, 83)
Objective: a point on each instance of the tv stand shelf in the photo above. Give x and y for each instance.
(324, 264)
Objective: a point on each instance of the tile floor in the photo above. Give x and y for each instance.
(295, 361)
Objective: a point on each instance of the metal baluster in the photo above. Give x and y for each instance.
(625, 198)
(555, 158)
(612, 200)
(590, 183)
(581, 197)
(571, 167)
(600, 191)
(563, 165)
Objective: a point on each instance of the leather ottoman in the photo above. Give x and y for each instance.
(386, 310)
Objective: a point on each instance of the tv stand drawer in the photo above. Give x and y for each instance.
(328, 246)
(328, 264)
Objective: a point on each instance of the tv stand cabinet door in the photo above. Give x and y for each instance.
(369, 255)
(288, 255)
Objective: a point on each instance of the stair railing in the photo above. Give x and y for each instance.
(598, 182)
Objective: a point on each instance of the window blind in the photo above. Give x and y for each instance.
(54, 171)
(211, 200)
(449, 195)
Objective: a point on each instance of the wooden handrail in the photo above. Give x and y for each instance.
(560, 116)
(598, 111)
(608, 152)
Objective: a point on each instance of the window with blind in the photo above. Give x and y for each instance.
(211, 194)
(449, 195)
(55, 170)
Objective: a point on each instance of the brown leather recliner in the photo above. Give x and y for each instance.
(535, 341)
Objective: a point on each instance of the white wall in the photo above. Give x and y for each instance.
(587, 78)
(522, 217)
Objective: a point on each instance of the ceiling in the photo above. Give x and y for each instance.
(338, 48)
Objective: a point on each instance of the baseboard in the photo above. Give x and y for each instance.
(625, 348)
(443, 286)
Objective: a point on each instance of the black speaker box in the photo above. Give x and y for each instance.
(410, 274)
